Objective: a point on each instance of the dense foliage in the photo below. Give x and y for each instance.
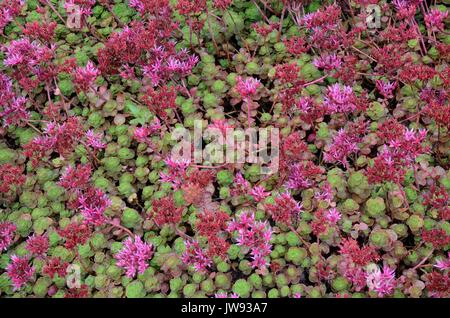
(90, 92)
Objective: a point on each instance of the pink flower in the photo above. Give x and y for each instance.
(325, 194)
(254, 235)
(247, 87)
(333, 216)
(6, 92)
(75, 178)
(15, 112)
(305, 104)
(302, 174)
(92, 204)
(343, 145)
(340, 99)
(355, 274)
(240, 185)
(194, 255)
(259, 193)
(177, 172)
(134, 256)
(94, 140)
(443, 264)
(328, 62)
(386, 88)
(141, 134)
(383, 282)
(7, 232)
(435, 19)
(138, 5)
(297, 295)
(285, 210)
(23, 52)
(84, 77)
(38, 244)
(19, 271)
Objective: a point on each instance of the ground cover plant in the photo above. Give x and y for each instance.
(94, 204)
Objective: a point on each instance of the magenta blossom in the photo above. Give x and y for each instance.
(19, 271)
(386, 88)
(340, 99)
(7, 232)
(328, 62)
(325, 194)
(92, 205)
(381, 281)
(443, 264)
(259, 193)
(177, 171)
(195, 256)
(254, 236)
(435, 19)
(15, 112)
(333, 216)
(84, 77)
(134, 256)
(94, 140)
(343, 145)
(247, 87)
(38, 244)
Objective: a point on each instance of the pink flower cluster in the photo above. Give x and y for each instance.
(301, 175)
(75, 178)
(14, 108)
(328, 62)
(259, 193)
(177, 172)
(382, 281)
(94, 140)
(142, 134)
(254, 235)
(92, 205)
(285, 210)
(9, 9)
(340, 99)
(247, 87)
(19, 271)
(38, 244)
(443, 264)
(7, 232)
(84, 77)
(333, 216)
(325, 193)
(168, 64)
(434, 20)
(81, 7)
(386, 88)
(343, 145)
(194, 255)
(134, 256)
